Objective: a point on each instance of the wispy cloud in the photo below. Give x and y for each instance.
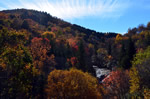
(69, 9)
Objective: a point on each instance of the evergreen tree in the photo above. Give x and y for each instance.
(126, 54)
(81, 57)
(147, 38)
(130, 49)
(68, 51)
(109, 49)
(25, 25)
(122, 55)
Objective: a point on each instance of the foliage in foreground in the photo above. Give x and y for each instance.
(140, 74)
(116, 85)
(72, 84)
(33, 44)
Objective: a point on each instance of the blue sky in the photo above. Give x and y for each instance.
(100, 15)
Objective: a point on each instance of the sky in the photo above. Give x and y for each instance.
(100, 15)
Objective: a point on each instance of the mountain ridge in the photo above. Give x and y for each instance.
(55, 20)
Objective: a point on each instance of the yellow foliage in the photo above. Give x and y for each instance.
(91, 45)
(134, 81)
(67, 29)
(146, 93)
(72, 84)
(118, 38)
(28, 66)
(49, 35)
(101, 51)
(139, 73)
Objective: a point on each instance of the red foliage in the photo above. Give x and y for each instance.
(36, 39)
(47, 40)
(68, 60)
(54, 29)
(73, 61)
(87, 50)
(114, 78)
(75, 47)
(117, 83)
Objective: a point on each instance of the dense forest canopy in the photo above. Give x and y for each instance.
(42, 56)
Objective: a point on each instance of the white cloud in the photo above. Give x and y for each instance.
(69, 9)
(1, 8)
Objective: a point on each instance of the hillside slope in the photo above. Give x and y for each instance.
(45, 57)
(61, 35)
(46, 20)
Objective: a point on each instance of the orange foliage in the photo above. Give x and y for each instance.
(72, 84)
(119, 38)
(3, 15)
(72, 41)
(39, 49)
(146, 93)
(73, 44)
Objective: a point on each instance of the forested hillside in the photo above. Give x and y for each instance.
(42, 56)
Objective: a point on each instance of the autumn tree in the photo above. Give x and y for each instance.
(16, 70)
(134, 83)
(11, 38)
(41, 60)
(72, 61)
(72, 84)
(116, 84)
(18, 66)
(49, 35)
(118, 38)
(143, 40)
(139, 73)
